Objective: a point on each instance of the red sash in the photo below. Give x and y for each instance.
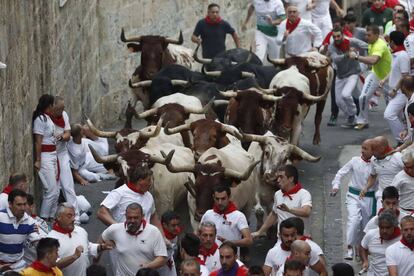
(48, 148)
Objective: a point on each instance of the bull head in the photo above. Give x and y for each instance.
(178, 41)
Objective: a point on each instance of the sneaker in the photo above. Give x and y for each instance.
(361, 126)
(349, 254)
(350, 123)
(2, 65)
(332, 121)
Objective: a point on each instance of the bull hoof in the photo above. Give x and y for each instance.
(259, 212)
(316, 140)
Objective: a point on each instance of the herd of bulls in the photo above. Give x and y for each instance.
(234, 123)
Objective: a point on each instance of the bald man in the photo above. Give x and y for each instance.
(385, 164)
(301, 252)
(359, 211)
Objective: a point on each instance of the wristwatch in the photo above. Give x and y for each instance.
(357, 56)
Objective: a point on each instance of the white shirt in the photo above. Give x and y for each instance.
(405, 185)
(385, 170)
(306, 272)
(301, 5)
(79, 237)
(410, 100)
(321, 9)
(302, 39)
(204, 270)
(372, 242)
(401, 256)
(373, 223)
(229, 228)
(77, 153)
(30, 247)
(212, 261)
(409, 45)
(4, 201)
(44, 126)
(300, 199)
(134, 251)
(166, 270)
(359, 169)
(273, 8)
(61, 145)
(317, 250)
(400, 65)
(117, 201)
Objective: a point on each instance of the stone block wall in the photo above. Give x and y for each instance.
(75, 51)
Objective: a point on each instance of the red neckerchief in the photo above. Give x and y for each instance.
(344, 46)
(395, 234)
(170, 235)
(283, 246)
(229, 209)
(387, 150)
(208, 252)
(292, 191)
(406, 243)
(211, 22)
(139, 231)
(397, 212)
(135, 189)
(59, 121)
(37, 265)
(411, 25)
(365, 160)
(8, 189)
(398, 48)
(59, 229)
(304, 238)
(379, 10)
(290, 27)
(347, 32)
(200, 261)
(33, 216)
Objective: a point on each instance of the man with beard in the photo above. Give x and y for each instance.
(404, 182)
(347, 72)
(228, 261)
(376, 241)
(400, 255)
(75, 248)
(138, 244)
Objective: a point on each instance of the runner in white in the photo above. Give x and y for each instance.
(189, 249)
(376, 241)
(170, 221)
(304, 7)
(269, 14)
(45, 156)
(16, 181)
(404, 182)
(209, 252)
(384, 166)
(138, 244)
(299, 251)
(400, 255)
(294, 29)
(321, 16)
(359, 211)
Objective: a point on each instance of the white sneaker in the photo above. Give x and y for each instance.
(349, 254)
(2, 65)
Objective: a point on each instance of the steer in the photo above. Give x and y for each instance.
(273, 152)
(168, 188)
(231, 166)
(319, 72)
(206, 134)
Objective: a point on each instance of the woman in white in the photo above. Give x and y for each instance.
(45, 155)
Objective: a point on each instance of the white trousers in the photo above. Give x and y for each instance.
(324, 23)
(370, 86)
(91, 169)
(266, 44)
(66, 182)
(48, 174)
(344, 89)
(392, 114)
(359, 213)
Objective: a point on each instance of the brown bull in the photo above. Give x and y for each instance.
(319, 72)
(206, 133)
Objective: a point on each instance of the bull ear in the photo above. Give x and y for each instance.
(134, 47)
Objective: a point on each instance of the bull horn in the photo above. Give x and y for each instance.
(276, 61)
(229, 129)
(270, 91)
(247, 74)
(179, 82)
(306, 156)
(202, 110)
(153, 133)
(241, 176)
(148, 113)
(201, 60)
(211, 73)
(165, 160)
(253, 137)
(272, 98)
(132, 39)
(312, 98)
(190, 187)
(174, 169)
(145, 83)
(174, 41)
(220, 102)
(178, 129)
(100, 133)
(229, 94)
(102, 159)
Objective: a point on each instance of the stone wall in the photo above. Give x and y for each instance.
(75, 51)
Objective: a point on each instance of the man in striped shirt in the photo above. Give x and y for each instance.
(16, 226)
